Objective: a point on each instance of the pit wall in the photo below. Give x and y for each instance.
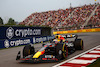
(77, 31)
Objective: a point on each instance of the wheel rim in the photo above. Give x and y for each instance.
(60, 52)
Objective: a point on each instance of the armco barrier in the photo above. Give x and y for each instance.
(23, 41)
(77, 31)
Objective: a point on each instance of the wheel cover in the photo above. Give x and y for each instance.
(60, 52)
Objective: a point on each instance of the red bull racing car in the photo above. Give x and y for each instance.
(58, 49)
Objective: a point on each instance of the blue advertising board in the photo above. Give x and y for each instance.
(19, 32)
(23, 41)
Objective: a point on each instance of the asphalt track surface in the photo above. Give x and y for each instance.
(8, 56)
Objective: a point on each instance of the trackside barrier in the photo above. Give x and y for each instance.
(77, 31)
(23, 41)
(15, 32)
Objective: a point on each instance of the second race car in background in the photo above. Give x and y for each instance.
(56, 50)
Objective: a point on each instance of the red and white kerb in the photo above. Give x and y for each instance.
(82, 60)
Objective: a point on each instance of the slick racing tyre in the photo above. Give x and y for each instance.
(58, 51)
(61, 51)
(65, 51)
(28, 50)
(78, 43)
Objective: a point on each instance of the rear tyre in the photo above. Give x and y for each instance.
(28, 50)
(65, 51)
(61, 51)
(78, 43)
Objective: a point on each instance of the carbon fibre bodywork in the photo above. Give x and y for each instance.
(50, 52)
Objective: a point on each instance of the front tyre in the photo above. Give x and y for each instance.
(58, 51)
(28, 50)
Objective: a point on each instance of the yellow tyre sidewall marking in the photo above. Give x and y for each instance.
(29, 52)
(81, 44)
(64, 51)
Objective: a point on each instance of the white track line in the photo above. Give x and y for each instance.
(94, 51)
(98, 49)
(78, 61)
(58, 65)
(90, 56)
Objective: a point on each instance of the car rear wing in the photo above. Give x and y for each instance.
(69, 36)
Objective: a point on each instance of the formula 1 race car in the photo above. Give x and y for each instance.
(56, 50)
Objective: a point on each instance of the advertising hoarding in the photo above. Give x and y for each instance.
(14, 32)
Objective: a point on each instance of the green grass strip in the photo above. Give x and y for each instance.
(95, 64)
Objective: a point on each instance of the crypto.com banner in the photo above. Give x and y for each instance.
(19, 32)
(23, 41)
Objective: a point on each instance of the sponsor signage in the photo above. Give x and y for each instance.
(23, 41)
(16, 42)
(19, 32)
(49, 56)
